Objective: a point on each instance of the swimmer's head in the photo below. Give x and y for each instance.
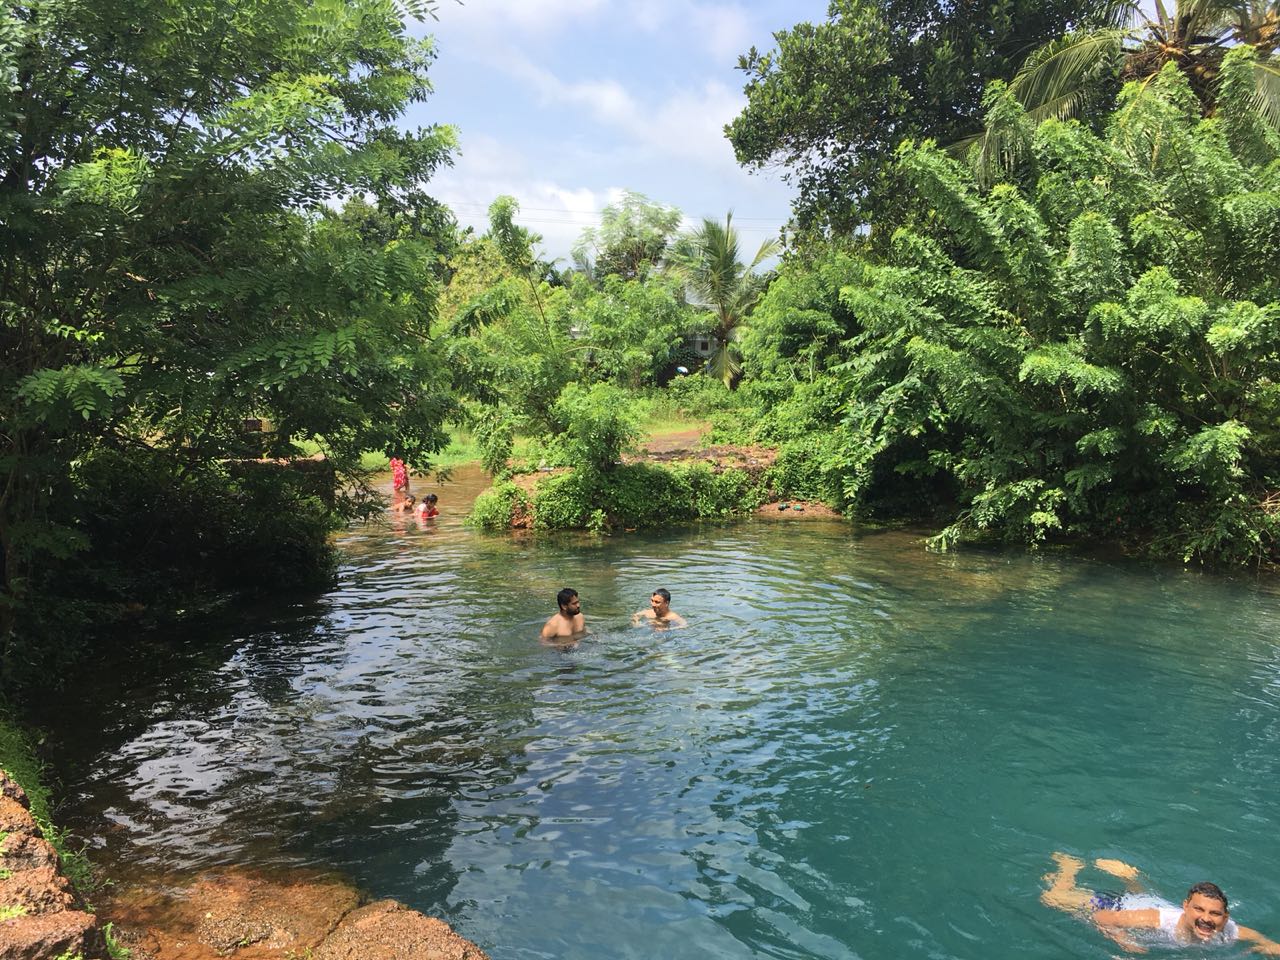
(432, 498)
(660, 601)
(567, 599)
(1205, 910)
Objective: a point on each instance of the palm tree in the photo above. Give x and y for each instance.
(1194, 36)
(717, 280)
(1055, 80)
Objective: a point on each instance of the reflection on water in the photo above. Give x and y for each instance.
(856, 749)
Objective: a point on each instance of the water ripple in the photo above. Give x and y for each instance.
(856, 749)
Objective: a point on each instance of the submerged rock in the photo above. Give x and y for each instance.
(388, 930)
(256, 915)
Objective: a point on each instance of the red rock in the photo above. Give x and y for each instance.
(49, 935)
(230, 912)
(41, 890)
(248, 915)
(9, 788)
(25, 852)
(14, 817)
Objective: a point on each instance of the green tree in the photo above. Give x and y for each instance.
(1086, 350)
(722, 284)
(172, 262)
(833, 100)
(514, 349)
(632, 329)
(633, 236)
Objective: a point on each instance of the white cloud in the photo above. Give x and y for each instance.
(688, 125)
(500, 16)
(727, 31)
(724, 30)
(489, 169)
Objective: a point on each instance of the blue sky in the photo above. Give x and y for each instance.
(565, 103)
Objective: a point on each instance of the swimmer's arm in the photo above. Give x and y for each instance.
(1114, 922)
(1264, 944)
(1132, 919)
(547, 631)
(677, 621)
(640, 615)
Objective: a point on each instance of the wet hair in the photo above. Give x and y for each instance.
(565, 595)
(664, 593)
(1210, 890)
(432, 498)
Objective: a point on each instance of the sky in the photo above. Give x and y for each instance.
(564, 104)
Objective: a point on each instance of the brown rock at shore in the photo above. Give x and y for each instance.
(231, 913)
(40, 890)
(48, 936)
(14, 815)
(49, 923)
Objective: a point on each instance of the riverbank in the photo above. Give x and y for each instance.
(243, 914)
(226, 913)
(674, 477)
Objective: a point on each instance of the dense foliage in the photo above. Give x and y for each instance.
(628, 497)
(834, 100)
(1087, 349)
(173, 267)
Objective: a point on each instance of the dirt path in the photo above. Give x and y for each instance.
(683, 440)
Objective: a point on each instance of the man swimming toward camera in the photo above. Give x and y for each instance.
(1203, 917)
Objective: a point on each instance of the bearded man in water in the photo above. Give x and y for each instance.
(1202, 919)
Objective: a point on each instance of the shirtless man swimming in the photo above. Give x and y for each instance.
(660, 613)
(568, 621)
(1202, 919)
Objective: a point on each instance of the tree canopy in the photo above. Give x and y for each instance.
(833, 100)
(173, 264)
(1085, 349)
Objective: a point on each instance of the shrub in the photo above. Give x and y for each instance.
(495, 507)
(633, 495)
(565, 501)
(599, 424)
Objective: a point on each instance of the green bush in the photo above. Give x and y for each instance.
(1085, 350)
(599, 424)
(565, 501)
(696, 395)
(157, 540)
(495, 507)
(641, 495)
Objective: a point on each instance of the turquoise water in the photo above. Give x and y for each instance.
(857, 749)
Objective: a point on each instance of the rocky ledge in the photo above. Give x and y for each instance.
(42, 918)
(225, 913)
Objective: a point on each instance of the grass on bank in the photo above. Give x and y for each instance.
(463, 449)
(17, 756)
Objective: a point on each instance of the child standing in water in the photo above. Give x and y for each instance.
(399, 477)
